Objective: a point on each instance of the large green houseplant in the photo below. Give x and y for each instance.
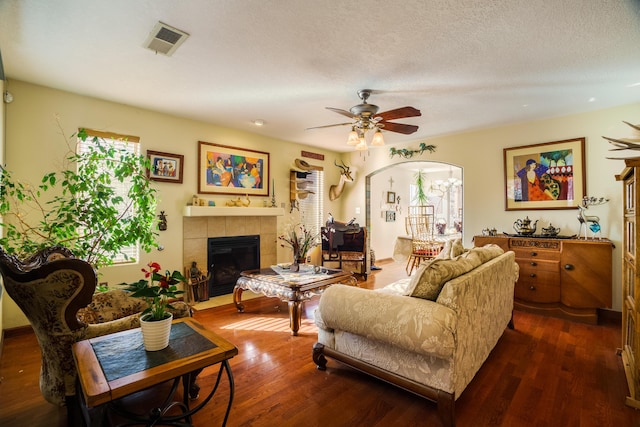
(79, 207)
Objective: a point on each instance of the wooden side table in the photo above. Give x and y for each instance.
(116, 365)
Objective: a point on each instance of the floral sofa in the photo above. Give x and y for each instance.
(429, 333)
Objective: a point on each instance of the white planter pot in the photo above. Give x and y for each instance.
(155, 334)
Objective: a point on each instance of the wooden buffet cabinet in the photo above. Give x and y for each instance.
(567, 278)
(630, 280)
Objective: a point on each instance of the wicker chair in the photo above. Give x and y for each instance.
(419, 225)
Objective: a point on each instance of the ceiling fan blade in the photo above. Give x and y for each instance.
(328, 126)
(343, 112)
(398, 127)
(399, 113)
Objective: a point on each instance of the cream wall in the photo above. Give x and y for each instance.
(35, 145)
(480, 154)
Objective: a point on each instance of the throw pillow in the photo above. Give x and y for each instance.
(488, 252)
(417, 277)
(457, 248)
(451, 249)
(445, 253)
(440, 271)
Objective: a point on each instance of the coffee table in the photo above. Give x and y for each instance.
(114, 366)
(294, 290)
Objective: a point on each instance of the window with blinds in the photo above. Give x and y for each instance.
(126, 143)
(311, 207)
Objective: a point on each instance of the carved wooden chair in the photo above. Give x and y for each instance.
(56, 293)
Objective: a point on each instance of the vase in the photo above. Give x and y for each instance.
(155, 333)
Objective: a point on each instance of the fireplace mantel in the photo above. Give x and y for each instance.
(192, 211)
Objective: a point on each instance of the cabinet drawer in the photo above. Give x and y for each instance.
(536, 254)
(537, 290)
(529, 266)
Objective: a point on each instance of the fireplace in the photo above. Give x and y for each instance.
(227, 257)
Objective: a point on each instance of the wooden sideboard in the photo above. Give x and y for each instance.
(567, 278)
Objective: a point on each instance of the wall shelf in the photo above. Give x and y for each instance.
(191, 211)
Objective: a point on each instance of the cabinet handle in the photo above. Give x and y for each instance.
(532, 275)
(532, 288)
(534, 254)
(568, 267)
(533, 263)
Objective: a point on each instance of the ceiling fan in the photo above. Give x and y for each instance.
(366, 117)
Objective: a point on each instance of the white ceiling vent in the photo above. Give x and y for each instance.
(165, 39)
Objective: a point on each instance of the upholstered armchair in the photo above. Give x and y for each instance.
(56, 293)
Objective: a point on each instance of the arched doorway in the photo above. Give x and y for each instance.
(390, 190)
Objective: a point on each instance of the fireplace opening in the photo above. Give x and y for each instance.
(227, 257)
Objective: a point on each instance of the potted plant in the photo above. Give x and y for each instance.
(157, 290)
(301, 240)
(421, 196)
(78, 207)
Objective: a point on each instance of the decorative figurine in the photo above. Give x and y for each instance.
(590, 221)
(162, 225)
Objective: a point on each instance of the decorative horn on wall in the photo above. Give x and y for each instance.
(345, 176)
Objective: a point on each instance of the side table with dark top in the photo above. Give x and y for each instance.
(267, 282)
(114, 366)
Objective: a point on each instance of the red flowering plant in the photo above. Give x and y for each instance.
(156, 289)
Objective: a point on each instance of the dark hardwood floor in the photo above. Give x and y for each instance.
(546, 372)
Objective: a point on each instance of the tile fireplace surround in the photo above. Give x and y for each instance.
(203, 222)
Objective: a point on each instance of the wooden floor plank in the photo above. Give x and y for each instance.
(546, 372)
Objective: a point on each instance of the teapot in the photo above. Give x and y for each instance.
(550, 231)
(523, 226)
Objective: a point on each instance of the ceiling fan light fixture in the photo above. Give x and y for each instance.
(353, 137)
(362, 145)
(378, 139)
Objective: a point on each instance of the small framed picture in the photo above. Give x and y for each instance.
(390, 216)
(391, 196)
(165, 167)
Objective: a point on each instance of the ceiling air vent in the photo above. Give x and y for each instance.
(165, 39)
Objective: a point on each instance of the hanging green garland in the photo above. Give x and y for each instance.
(403, 152)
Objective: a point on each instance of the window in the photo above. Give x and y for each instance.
(311, 207)
(121, 142)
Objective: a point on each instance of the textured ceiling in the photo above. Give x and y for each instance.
(466, 64)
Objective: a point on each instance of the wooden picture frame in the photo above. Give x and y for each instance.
(390, 216)
(545, 176)
(165, 167)
(223, 169)
(391, 196)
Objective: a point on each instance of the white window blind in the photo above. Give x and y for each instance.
(311, 207)
(121, 142)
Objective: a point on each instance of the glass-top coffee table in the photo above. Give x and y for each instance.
(292, 288)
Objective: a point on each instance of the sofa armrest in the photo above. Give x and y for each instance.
(414, 324)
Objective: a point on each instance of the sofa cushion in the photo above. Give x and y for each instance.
(451, 249)
(431, 277)
(413, 324)
(440, 271)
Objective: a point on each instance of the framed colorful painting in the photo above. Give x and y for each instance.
(545, 176)
(230, 170)
(165, 167)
